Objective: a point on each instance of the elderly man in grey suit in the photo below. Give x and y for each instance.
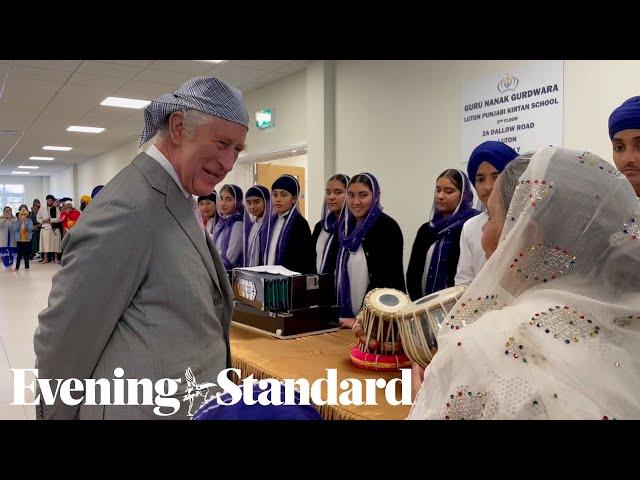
(142, 287)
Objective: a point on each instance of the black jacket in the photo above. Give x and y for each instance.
(424, 239)
(382, 246)
(300, 253)
(332, 254)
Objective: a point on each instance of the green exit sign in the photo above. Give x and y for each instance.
(265, 118)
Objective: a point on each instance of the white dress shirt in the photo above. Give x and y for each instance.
(472, 256)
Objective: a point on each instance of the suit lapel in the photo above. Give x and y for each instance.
(179, 207)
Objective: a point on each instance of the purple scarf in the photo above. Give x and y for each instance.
(265, 227)
(446, 230)
(224, 226)
(285, 234)
(350, 236)
(330, 225)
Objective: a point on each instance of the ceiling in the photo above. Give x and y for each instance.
(43, 97)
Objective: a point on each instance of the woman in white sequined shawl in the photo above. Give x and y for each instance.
(550, 328)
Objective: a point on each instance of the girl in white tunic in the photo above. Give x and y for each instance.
(227, 234)
(324, 234)
(257, 225)
(207, 207)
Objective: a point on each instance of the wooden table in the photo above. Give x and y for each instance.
(308, 357)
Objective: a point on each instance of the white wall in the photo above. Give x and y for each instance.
(592, 90)
(288, 97)
(34, 187)
(62, 184)
(400, 121)
(99, 170)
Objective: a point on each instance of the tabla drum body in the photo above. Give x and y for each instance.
(378, 320)
(420, 322)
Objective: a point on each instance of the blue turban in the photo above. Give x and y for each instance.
(625, 117)
(207, 95)
(287, 183)
(95, 191)
(497, 154)
(213, 410)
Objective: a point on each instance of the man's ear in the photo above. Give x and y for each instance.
(176, 127)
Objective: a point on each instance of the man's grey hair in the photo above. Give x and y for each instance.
(192, 120)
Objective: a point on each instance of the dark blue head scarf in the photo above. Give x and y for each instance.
(350, 235)
(214, 410)
(225, 225)
(330, 222)
(290, 184)
(447, 231)
(259, 191)
(625, 117)
(95, 190)
(497, 154)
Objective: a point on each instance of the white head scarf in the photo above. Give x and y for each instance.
(550, 327)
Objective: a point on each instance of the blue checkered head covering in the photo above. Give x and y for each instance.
(204, 94)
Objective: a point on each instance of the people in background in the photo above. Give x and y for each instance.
(324, 236)
(50, 237)
(436, 248)
(84, 201)
(257, 225)
(485, 164)
(7, 237)
(22, 230)
(624, 131)
(371, 247)
(69, 216)
(227, 234)
(207, 208)
(35, 234)
(290, 237)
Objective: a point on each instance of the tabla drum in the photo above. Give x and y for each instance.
(382, 350)
(420, 321)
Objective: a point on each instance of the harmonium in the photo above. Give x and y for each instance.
(284, 304)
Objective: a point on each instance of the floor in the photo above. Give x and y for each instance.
(23, 294)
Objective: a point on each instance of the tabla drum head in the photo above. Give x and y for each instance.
(386, 300)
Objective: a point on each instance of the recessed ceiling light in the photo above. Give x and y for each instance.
(75, 128)
(20, 173)
(42, 158)
(29, 167)
(124, 102)
(61, 149)
(212, 61)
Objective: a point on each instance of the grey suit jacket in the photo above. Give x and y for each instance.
(140, 288)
